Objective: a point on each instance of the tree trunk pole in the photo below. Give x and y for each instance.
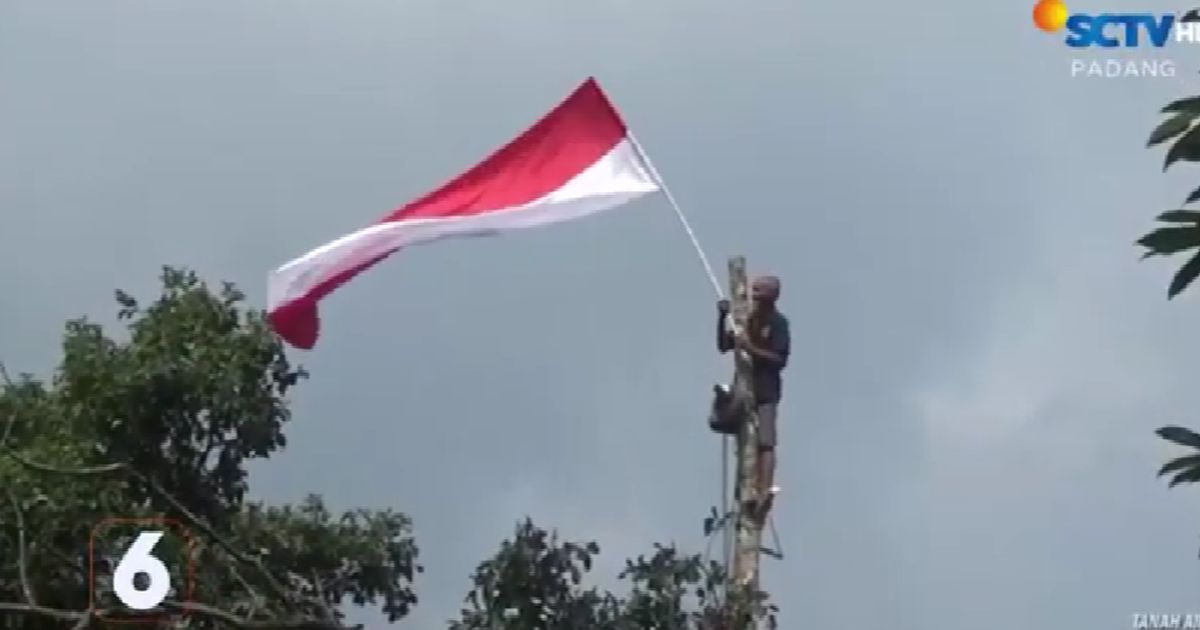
(743, 588)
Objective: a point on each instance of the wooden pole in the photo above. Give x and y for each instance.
(743, 588)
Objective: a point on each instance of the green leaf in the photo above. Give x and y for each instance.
(1189, 104)
(1184, 277)
(1170, 128)
(1170, 240)
(1181, 216)
(1180, 435)
(1192, 198)
(1179, 463)
(1186, 148)
(1191, 475)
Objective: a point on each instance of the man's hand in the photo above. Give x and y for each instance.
(723, 307)
(743, 342)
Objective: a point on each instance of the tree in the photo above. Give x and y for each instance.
(160, 420)
(1181, 234)
(535, 581)
(161, 423)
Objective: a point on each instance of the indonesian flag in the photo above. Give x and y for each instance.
(578, 160)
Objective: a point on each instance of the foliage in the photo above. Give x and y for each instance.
(1186, 467)
(535, 581)
(162, 423)
(1181, 232)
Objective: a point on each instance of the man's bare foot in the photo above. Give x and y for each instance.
(760, 509)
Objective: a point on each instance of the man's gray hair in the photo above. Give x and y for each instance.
(770, 281)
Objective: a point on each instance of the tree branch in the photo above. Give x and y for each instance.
(85, 621)
(256, 600)
(196, 521)
(12, 417)
(203, 526)
(42, 611)
(82, 618)
(210, 612)
(85, 618)
(22, 561)
(159, 490)
(212, 441)
(8, 427)
(322, 602)
(76, 472)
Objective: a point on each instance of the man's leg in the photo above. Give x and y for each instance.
(767, 440)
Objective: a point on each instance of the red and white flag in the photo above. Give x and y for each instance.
(578, 160)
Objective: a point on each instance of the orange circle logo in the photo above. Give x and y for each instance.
(1050, 15)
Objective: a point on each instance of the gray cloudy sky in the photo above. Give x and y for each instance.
(979, 358)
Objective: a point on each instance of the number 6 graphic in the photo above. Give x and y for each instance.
(139, 559)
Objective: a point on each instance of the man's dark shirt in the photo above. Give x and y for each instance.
(773, 335)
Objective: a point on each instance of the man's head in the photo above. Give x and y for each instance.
(764, 290)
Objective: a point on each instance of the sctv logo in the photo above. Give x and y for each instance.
(1116, 30)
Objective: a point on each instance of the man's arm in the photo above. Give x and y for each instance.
(724, 335)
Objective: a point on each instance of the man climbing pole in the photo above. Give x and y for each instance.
(768, 342)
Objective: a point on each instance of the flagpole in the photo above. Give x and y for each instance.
(727, 533)
(687, 226)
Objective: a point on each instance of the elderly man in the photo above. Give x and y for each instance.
(768, 342)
